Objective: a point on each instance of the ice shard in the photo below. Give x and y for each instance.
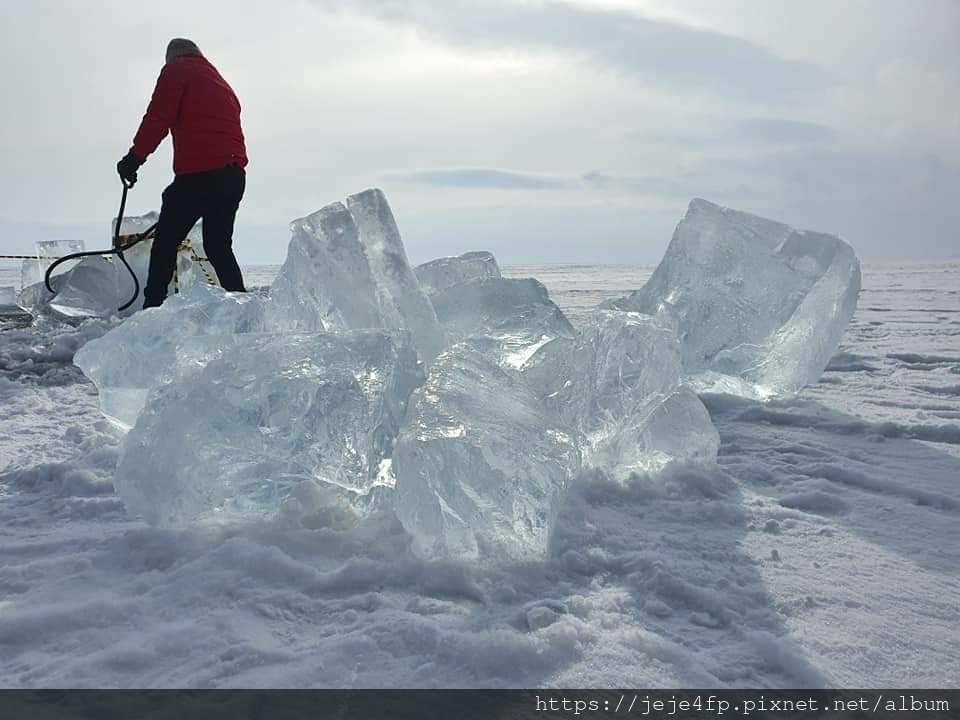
(618, 387)
(480, 467)
(154, 346)
(235, 437)
(507, 319)
(325, 282)
(346, 268)
(446, 272)
(760, 307)
(404, 303)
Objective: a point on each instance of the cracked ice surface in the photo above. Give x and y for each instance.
(759, 307)
(347, 269)
(480, 465)
(153, 346)
(507, 319)
(446, 272)
(618, 386)
(240, 434)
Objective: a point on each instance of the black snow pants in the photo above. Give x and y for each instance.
(214, 196)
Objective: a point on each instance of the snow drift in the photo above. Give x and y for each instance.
(462, 401)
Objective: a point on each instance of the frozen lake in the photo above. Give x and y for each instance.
(824, 549)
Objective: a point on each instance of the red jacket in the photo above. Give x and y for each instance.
(197, 106)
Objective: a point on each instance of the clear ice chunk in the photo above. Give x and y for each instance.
(233, 404)
(31, 273)
(346, 268)
(33, 270)
(760, 308)
(325, 282)
(50, 250)
(405, 305)
(98, 285)
(153, 346)
(237, 436)
(507, 319)
(480, 467)
(33, 292)
(446, 272)
(618, 385)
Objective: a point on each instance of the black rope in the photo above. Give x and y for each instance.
(117, 250)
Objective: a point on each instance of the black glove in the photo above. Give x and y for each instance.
(127, 168)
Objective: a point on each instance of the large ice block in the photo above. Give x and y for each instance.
(446, 272)
(234, 438)
(346, 268)
(403, 303)
(618, 385)
(480, 466)
(33, 269)
(99, 285)
(760, 308)
(153, 346)
(33, 295)
(325, 282)
(507, 319)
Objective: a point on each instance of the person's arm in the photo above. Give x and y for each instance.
(161, 112)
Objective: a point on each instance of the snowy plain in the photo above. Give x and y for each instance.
(824, 549)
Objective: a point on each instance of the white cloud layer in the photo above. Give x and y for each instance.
(510, 124)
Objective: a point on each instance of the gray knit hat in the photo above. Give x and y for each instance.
(181, 46)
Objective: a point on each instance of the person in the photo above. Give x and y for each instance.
(198, 107)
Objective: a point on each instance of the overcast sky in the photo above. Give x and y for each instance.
(544, 131)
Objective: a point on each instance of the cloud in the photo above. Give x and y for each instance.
(784, 132)
(482, 178)
(523, 105)
(537, 234)
(743, 131)
(889, 205)
(683, 186)
(656, 52)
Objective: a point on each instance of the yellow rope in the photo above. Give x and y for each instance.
(185, 245)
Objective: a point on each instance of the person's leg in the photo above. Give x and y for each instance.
(219, 213)
(178, 213)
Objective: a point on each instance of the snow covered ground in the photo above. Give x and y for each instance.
(823, 550)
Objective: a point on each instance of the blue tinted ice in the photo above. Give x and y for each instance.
(236, 436)
(760, 308)
(446, 272)
(481, 467)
